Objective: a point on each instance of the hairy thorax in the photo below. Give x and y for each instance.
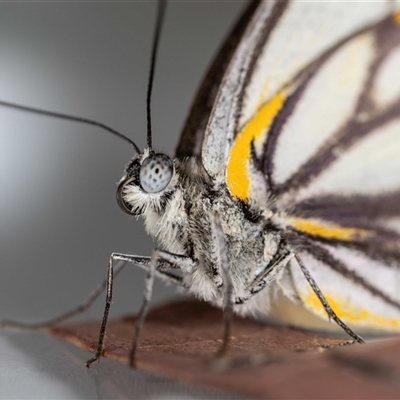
(184, 227)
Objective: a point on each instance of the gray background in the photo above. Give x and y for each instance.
(58, 216)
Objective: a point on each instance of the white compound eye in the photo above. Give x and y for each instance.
(155, 173)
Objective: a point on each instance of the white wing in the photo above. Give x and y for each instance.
(307, 122)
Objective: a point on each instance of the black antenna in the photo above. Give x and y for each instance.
(70, 118)
(160, 19)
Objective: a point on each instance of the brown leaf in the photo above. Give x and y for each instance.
(179, 340)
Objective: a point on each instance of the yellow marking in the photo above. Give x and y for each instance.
(237, 174)
(351, 313)
(396, 17)
(328, 231)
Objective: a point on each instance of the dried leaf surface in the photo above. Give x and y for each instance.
(179, 340)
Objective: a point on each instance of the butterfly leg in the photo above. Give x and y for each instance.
(279, 261)
(67, 315)
(324, 302)
(221, 256)
(147, 292)
(159, 262)
(81, 308)
(156, 264)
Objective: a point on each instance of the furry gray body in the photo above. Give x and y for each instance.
(183, 225)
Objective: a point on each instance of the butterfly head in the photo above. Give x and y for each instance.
(150, 177)
(148, 180)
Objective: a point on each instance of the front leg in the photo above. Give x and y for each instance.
(159, 262)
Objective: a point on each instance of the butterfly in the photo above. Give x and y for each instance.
(297, 160)
(286, 181)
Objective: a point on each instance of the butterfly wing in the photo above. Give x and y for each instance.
(306, 120)
(342, 183)
(192, 135)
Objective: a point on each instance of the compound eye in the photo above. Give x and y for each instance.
(155, 173)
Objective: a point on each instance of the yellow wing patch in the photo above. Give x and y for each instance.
(351, 313)
(328, 231)
(396, 17)
(237, 172)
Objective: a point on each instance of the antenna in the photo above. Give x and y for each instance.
(70, 118)
(159, 22)
(160, 19)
